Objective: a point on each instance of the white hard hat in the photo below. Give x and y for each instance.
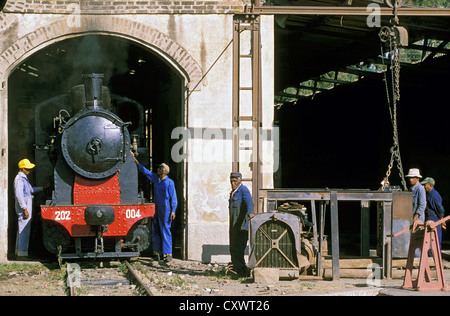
(414, 173)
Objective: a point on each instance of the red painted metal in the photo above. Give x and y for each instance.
(96, 191)
(425, 238)
(72, 218)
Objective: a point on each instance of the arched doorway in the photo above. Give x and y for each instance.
(144, 87)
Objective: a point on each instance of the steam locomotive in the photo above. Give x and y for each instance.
(95, 210)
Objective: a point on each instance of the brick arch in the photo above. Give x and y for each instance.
(140, 33)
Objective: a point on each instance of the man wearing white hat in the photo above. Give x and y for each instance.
(24, 206)
(419, 194)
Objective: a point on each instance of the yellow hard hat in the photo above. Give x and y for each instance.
(26, 164)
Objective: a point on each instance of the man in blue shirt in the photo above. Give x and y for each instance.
(419, 195)
(166, 202)
(240, 210)
(434, 210)
(23, 192)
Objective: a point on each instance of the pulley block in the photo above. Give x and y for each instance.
(396, 33)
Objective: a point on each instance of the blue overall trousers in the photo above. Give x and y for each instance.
(166, 202)
(24, 199)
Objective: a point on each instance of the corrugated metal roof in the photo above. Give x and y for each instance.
(314, 47)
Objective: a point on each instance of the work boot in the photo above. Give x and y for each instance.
(156, 256)
(245, 272)
(230, 271)
(168, 258)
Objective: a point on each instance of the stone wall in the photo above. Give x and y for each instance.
(194, 37)
(124, 7)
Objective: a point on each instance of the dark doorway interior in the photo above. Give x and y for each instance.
(144, 90)
(342, 138)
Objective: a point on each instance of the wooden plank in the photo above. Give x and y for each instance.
(360, 273)
(360, 263)
(363, 263)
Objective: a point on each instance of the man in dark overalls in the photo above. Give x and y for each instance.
(241, 210)
(434, 210)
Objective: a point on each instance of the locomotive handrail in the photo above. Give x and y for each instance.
(100, 112)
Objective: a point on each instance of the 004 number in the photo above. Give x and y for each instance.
(132, 213)
(62, 215)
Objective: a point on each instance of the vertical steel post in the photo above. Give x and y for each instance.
(334, 235)
(249, 23)
(321, 230)
(387, 231)
(236, 93)
(365, 229)
(256, 110)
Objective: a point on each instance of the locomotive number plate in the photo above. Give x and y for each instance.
(62, 216)
(132, 213)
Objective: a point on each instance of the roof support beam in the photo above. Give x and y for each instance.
(429, 48)
(433, 53)
(343, 11)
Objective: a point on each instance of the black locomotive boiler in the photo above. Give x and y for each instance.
(95, 210)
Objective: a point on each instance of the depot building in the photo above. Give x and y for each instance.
(214, 87)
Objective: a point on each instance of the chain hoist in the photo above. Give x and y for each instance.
(393, 37)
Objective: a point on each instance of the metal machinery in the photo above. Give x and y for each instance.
(95, 209)
(296, 242)
(281, 240)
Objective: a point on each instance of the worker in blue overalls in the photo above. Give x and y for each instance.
(166, 204)
(434, 210)
(24, 207)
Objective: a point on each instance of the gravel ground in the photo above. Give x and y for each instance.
(197, 279)
(183, 278)
(31, 279)
(178, 278)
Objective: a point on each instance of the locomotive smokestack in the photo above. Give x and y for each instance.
(93, 84)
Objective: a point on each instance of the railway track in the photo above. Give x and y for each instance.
(114, 279)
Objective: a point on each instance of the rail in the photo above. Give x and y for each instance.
(75, 277)
(138, 279)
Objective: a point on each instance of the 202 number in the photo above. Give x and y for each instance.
(62, 215)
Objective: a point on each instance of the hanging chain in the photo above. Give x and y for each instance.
(389, 34)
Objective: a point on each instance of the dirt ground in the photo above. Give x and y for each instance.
(178, 278)
(197, 279)
(182, 278)
(31, 279)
